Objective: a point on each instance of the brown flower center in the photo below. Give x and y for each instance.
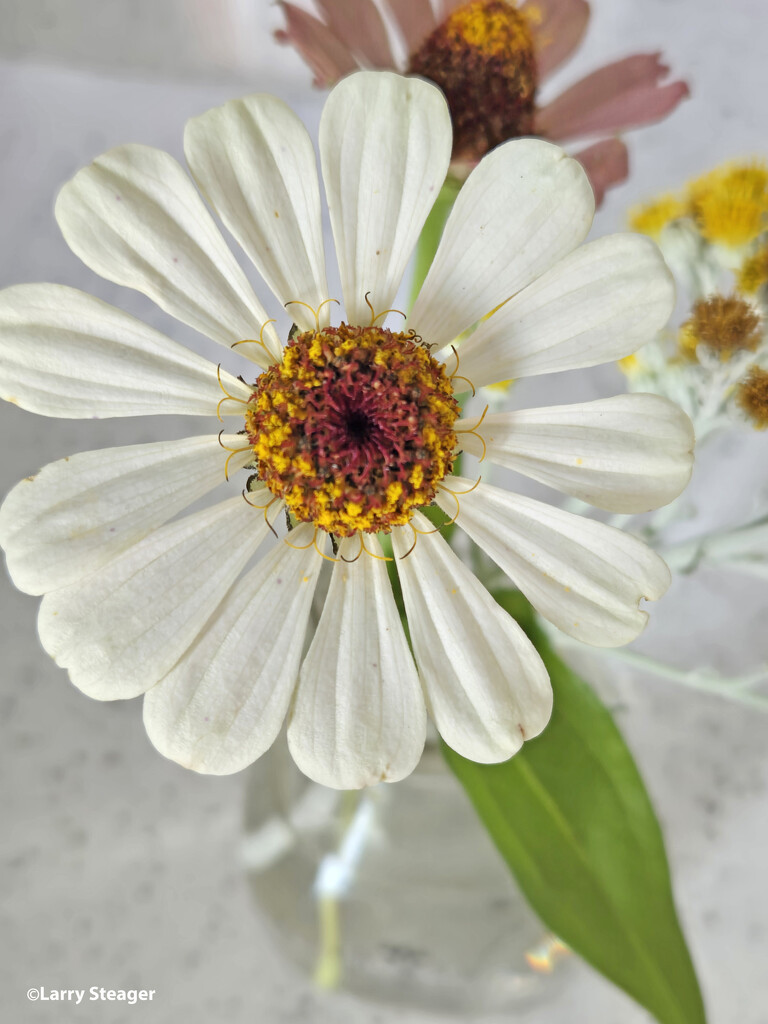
(752, 396)
(726, 324)
(482, 57)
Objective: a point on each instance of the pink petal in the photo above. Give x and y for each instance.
(446, 7)
(608, 81)
(328, 57)
(606, 164)
(558, 28)
(618, 96)
(359, 25)
(415, 19)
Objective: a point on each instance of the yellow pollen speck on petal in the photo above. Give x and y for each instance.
(752, 396)
(502, 386)
(651, 218)
(730, 203)
(724, 324)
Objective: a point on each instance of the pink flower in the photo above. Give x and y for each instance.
(490, 57)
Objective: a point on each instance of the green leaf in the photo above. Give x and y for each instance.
(572, 819)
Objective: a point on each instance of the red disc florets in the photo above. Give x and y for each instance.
(354, 429)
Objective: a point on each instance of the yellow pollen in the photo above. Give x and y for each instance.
(730, 203)
(495, 29)
(502, 386)
(630, 365)
(752, 396)
(753, 273)
(651, 218)
(725, 324)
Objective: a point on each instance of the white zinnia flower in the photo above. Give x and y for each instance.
(352, 428)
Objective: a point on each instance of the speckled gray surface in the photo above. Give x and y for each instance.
(119, 868)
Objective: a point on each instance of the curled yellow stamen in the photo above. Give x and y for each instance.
(232, 451)
(474, 431)
(264, 508)
(301, 547)
(322, 554)
(227, 396)
(456, 375)
(412, 548)
(315, 312)
(253, 341)
(312, 543)
(381, 558)
(458, 507)
(469, 490)
(350, 560)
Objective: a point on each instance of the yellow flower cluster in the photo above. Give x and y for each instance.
(753, 273)
(727, 209)
(729, 205)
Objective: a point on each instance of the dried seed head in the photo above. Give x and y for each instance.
(752, 396)
(725, 324)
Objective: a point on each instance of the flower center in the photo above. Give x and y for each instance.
(752, 396)
(651, 218)
(482, 57)
(354, 429)
(753, 274)
(730, 204)
(726, 324)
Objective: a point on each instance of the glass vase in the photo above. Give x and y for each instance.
(394, 893)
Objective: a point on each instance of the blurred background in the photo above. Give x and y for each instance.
(121, 869)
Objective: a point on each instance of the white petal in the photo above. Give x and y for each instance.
(224, 703)
(585, 577)
(122, 629)
(78, 513)
(629, 453)
(487, 687)
(255, 164)
(134, 217)
(359, 716)
(64, 353)
(525, 206)
(598, 304)
(385, 146)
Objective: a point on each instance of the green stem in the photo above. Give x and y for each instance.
(432, 232)
(736, 688)
(327, 973)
